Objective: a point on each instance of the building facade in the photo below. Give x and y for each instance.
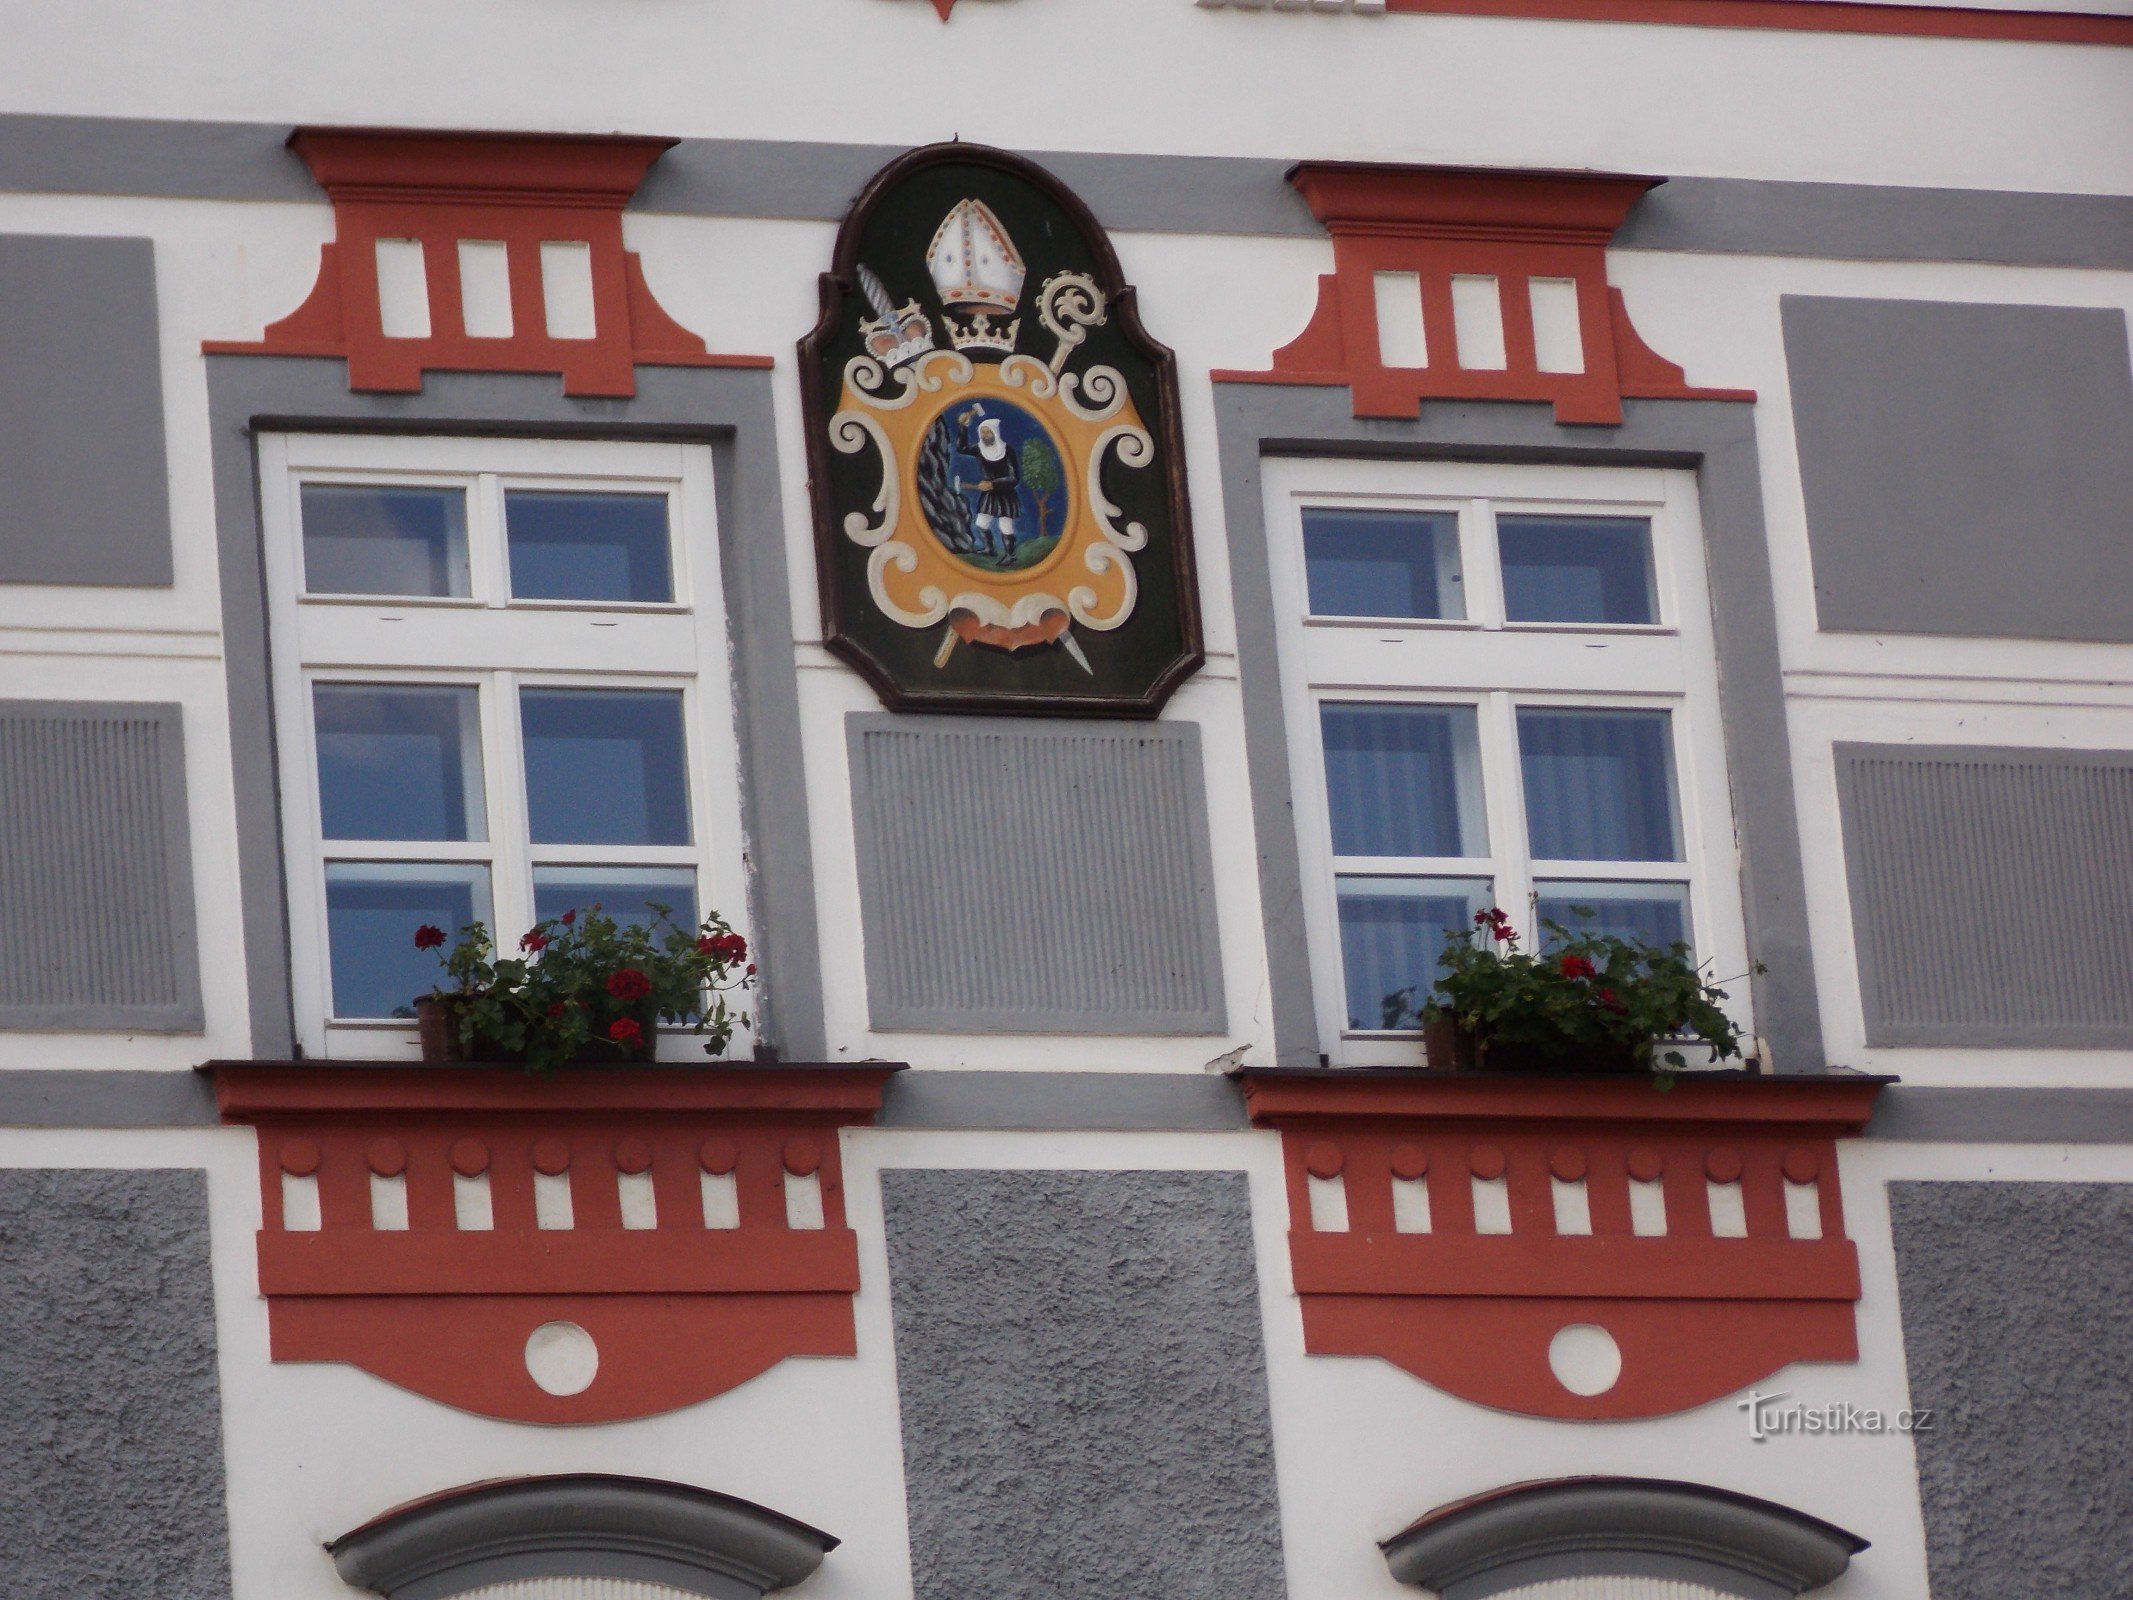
(1091, 533)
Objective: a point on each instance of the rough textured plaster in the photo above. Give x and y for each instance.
(2014, 1324)
(110, 1413)
(1083, 1386)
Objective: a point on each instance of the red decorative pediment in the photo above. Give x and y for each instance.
(591, 1246)
(1492, 286)
(1493, 1234)
(481, 252)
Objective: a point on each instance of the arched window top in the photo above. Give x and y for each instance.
(1534, 1533)
(635, 1531)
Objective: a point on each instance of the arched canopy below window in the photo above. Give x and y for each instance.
(600, 1537)
(1683, 1539)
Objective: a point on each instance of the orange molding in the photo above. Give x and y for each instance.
(518, 190)
(1808, 16)
(678, 1311)
(1695, 1316)
(1444, 222)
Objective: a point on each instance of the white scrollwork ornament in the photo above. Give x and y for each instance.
(851, 432)
(1135, 449)
(1103, 387)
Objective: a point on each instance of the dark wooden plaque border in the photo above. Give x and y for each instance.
(838, 285)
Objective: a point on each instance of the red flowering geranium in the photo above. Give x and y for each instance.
(727, 947)
(586, 987)
(429, 937)
(1586, 997)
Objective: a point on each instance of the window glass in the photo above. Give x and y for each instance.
(398, 762)
(1577, 569)
(580, 546)
(1653, 913)
(1403, 780)
(372, 912)
(1599, 785)
(1392, 932)
(625, 893)
(382, 539)
(605, 766)
(1382, 563)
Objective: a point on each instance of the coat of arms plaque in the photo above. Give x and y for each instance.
(998, 486)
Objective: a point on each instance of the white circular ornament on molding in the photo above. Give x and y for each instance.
(1585, 1359)
(562, 1358)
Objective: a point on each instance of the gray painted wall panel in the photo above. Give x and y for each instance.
(1022, 876)
(1991, 890)
(1082, 1382)
(84, 492)
(96, 900)
(1968, 468)
(44, 154)
(2014, 1323)
(111, 1427)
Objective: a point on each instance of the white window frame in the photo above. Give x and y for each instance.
(496, 645)
(1496, 666)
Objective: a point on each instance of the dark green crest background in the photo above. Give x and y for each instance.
(1136, 665)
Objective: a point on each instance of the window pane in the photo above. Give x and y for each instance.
(1599, 785)
(374, 539)
(1382, 563)
(1649, 913)
(569, 546)
(605, 766)
(624, 893)
(1577, 569)
(1392, 932)
(1403, 780)
(372, 912)
(398, 762)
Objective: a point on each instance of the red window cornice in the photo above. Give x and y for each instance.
(677, 1310)
(1694, 1315)
(1511, 227)
(520, 191)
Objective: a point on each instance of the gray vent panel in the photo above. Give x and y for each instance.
(1019, 876)
(1991, 893)
(96, 908)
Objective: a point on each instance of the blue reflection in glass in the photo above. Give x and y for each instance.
(398, 762)
(1599, 785)
(1392, 934)
(605, 766)
(1402, 780)
(625, 893)
(1656, 914)
(1576, 569)
(362, 538)
(578, 546)
(1382, 563)
(372, 912)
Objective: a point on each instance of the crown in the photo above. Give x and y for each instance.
(978, 272)
(897, 337)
